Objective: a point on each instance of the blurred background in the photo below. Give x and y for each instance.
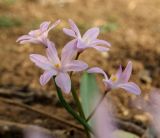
(131, 26)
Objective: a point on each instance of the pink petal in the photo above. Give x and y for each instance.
(152, 107)
(44, 26)
(64, 82)
(74, 28)
(119, 72)
(127, 72)
(54, 25)
(35, 132)
(109, 84)
(23, 37)
(130, 87)
(97, 70)
(69, 32)
(34, 33)
(81, 45)
(103, 119)
(69, 51)
(41, 61)
(46, 76)
(32, 40)
(101, 48)
(101, 42)
(52, 53)
(91, 34)
(76, 65)
(44, 40)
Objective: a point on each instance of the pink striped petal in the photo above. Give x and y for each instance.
(101, 48)
(41, 61)
(119, 72)
(34, 33)
(127, 72)
(52, 53)
(101, 42)
(32, 40)
(74, 28)
(97, 70)
(23, 37)
(109, 84)
(81, 45)
(35, 132)
(63, 81)
(68, 52)
(91, 34)
(69, 32)
(54, 25)
(130, 87)
(76, 65)
(46, 76)
(103, 120)
(44, 26)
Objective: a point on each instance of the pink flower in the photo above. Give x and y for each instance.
(151, 105)
(53, 66)
(37, 132)
(88, 40)
(119, 80)
(103, 119)
(38, 36)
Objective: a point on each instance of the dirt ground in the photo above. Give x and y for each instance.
(131, 26)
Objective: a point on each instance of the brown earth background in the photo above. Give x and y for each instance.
(131, 26)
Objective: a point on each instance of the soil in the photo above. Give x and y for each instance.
(131, 26)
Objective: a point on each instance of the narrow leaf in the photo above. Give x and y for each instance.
(88, 92)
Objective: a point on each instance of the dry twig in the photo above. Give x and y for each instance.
(42, 113)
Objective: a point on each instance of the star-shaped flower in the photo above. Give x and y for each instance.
(38, 36)
(118, 80)
(53, 66)
(88, 40)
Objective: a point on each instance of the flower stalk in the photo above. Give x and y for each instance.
(76, 98)
(72, 112)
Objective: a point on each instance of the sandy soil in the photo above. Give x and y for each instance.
(131, 26)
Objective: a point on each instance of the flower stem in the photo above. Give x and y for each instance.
(71, 111)
(80, 110)
(77, 56)
(75, 96)
(100, 101)
(76, 99)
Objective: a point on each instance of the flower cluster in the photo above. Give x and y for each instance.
(60, 67)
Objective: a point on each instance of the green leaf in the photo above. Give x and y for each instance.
(89, 92)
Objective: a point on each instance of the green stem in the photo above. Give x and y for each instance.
(71, 111)
(80, 110)
(76, 99)
(77, 56)
(75, 96)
